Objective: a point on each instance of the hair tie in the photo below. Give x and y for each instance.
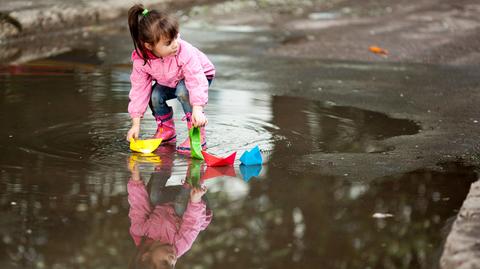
(145, 12)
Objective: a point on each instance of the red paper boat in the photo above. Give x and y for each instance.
(213, 172)
(213, 160)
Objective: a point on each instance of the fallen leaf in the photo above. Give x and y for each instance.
(378, 50)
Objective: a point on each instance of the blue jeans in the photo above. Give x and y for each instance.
(160, 95)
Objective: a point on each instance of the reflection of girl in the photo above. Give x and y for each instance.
(159, 233)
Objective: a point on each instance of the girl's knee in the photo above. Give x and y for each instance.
(182, 93)
(183, 96)
(157, 96)
(156, 99)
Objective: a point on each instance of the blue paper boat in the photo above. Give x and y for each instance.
(252, 157)
(249, 171)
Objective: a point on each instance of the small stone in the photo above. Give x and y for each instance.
(381, 215)
(82, 207)
(101, 54)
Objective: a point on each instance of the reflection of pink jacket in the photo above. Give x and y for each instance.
(188, 63)
(161, 223)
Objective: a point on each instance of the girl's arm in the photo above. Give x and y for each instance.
(196, 218)
(197, 86)
(139, 95)
(139, 206)
(140, 92)
(195, 78)
(193, 221)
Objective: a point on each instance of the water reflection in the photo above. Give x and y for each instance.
(63, 196)
(165, 220)
(249, 171)
(309, 127)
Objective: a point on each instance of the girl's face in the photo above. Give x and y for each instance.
(161, 255)
(164, 47)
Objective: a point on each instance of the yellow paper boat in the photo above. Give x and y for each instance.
(142, 158)
(145, 158)
(145, 146)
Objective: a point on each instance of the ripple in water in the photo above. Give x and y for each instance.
(90, 125)
(300, 125)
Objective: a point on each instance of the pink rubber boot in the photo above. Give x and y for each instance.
(184, 148)
(166, 129)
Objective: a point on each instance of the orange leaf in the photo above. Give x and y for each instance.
(378, 50)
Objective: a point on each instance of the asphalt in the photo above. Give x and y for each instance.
(29, 19)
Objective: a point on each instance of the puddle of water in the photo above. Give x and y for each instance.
(322, 214)
(63, 177)
(279, 219)
(81, 115)
(327, 128)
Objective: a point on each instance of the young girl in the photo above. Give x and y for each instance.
(160, 234)
(174, 67)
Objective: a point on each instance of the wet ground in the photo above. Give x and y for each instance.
(425, 31)
(342, 141)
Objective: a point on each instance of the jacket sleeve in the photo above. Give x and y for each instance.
(141, 90)
(195, 219)
(195, 79)
(139, 208)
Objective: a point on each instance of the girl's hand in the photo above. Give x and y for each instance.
(133, 167)
(196, 194)
(198, 118)
(134, 131)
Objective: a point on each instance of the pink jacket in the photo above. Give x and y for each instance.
(162, 223)
(188, 63)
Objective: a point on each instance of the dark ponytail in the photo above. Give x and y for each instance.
(150, 28)
(133, 18)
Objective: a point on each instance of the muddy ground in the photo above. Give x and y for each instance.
(426, 31)
(440, 31)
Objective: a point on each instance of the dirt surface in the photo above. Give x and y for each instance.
(426, 31)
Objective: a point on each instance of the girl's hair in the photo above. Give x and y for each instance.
(137, 263)
(150, 27)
